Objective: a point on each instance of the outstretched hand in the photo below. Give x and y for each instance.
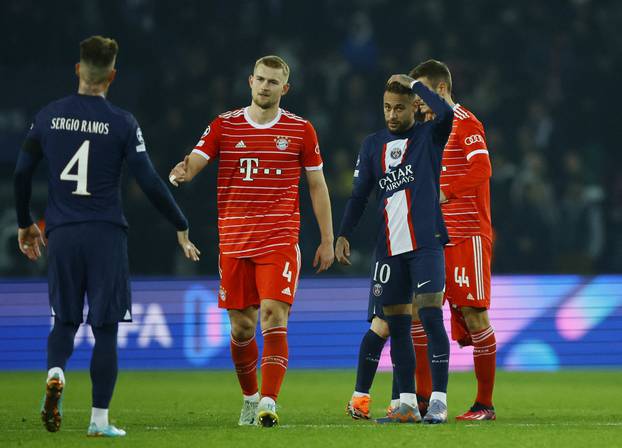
(190, 250)
(179, 172)
(29, 240)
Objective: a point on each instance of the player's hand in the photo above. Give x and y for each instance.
(404, 80)
(342, 251)
(178, 173)
(442, 198)
(190, 250)
(324, 257)
(29, 240)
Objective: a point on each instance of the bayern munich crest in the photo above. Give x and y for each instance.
(222, 294)
(396, 153)
(377, 290)
(281, 143)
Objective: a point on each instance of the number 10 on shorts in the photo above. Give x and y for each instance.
(461, 279)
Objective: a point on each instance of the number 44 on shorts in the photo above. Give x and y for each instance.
(461, 279)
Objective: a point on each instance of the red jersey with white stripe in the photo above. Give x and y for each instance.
(465, 179)
(258, 177)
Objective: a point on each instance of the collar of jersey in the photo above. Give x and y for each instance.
(265, 125)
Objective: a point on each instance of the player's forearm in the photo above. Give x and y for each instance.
(442, 110)
(321, 208)
(478, 174)
(352, 215)
(22, 183)
(156, 190)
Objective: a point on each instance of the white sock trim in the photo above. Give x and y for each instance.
(409, 399)
(359, 394)
(56, 371)
(254, 397)
(267, 400)
(442, 396)
(395, 403)
(99, 416)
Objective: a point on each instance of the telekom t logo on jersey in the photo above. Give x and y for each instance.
(249, 167)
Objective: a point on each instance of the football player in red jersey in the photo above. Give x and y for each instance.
(465, 198)
(261, 150)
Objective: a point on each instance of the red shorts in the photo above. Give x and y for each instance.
(245, 282)
(467, 271)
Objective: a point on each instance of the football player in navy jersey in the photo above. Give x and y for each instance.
(85, 141)
(402, 164)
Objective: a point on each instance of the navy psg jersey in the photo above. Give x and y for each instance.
(85, 140)
(404, 170)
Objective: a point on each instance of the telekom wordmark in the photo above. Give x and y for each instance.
(251, 166)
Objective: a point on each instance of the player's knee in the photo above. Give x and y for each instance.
(429, 300)
(242, 328)
(273, 314)
(380, 327)
(475, 318)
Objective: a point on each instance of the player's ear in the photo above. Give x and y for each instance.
(78, 69)
(250, 80)
(112, 75)
(285, 89)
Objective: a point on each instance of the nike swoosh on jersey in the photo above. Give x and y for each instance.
(419, 285)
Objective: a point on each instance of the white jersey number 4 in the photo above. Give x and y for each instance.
(462, 279)
(81, 158)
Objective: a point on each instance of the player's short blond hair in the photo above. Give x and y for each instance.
(97, 57)
(273, 61)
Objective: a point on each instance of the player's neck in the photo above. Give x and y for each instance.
(449, 101)
(92, 90)
(262, 116)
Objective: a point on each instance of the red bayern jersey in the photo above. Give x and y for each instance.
(465, 179)
(258, 176)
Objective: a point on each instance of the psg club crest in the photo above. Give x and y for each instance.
(377, 289)
(281, 143)
(222, 294)
(396, 153)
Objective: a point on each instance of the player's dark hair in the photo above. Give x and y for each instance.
(396, 87)
(435, 71)
(98, 51)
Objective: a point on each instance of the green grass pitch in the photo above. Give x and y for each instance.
(193, 408)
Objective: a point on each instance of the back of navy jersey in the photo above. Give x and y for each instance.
(85, 140)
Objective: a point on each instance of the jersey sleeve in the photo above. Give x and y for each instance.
(135, 141)
(473, 143)
(208, 145)
(310, 157)
(472, 139)
(361, 188)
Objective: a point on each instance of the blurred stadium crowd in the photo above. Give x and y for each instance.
(539, 75)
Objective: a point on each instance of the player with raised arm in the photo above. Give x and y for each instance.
(85, 141)
(262, 149)
(403, 163)
(465, 198)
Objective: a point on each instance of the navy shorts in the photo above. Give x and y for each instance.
(395, 279)
(89, 258)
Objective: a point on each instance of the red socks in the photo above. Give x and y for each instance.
(485, 358)
(273, 361)
(423, 375)
(244, 355)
